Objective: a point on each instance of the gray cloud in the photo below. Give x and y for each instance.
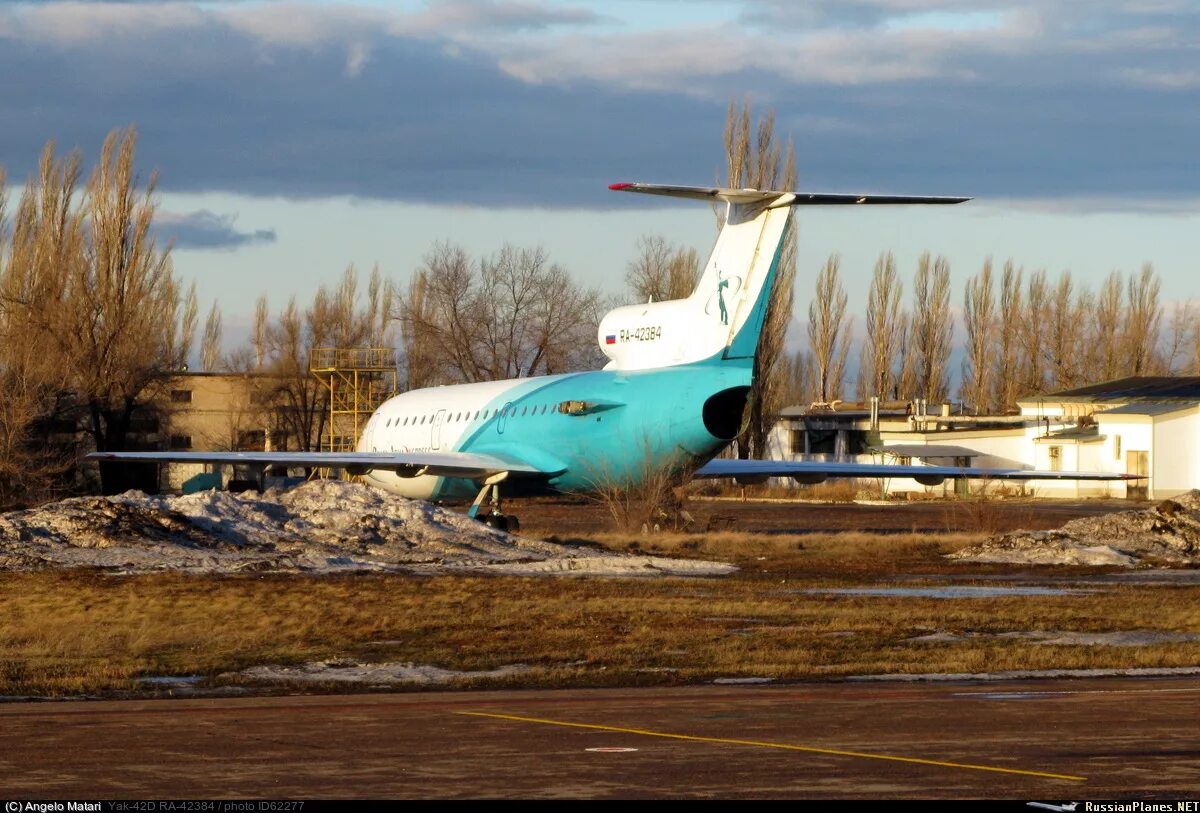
(203, 229)
(462, 103)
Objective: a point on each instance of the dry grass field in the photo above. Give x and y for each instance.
(83, 633)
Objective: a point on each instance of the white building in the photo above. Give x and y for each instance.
(1142, 425)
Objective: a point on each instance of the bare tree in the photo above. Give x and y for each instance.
(416, 318)
(798, 379)
(877, 371)
(537, 320)
(1107, 321)
(290, 340)
(27, 468)
(336, 318)
(1066, 311)
(755, 158)
(829, 332)
(1194, 364)
(1006, 373)
(258, 339)
(518, 315)
(1141, 335)
(95, 293)
(906, 364)
(979, 322)
(210, 347)
(1033, 333)
(187, 326)
(1181, 331)
(932, 327)
(661, 271)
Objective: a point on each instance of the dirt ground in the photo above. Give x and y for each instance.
(570, 517)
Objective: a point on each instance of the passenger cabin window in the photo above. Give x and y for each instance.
(181, 396)
(181, 441)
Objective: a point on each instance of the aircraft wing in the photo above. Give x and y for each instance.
(406, 464)
(817, 470)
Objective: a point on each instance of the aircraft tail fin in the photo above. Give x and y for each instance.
(723, 318)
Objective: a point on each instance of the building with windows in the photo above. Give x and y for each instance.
(216, 412)
(327, 410)
(1140, 425)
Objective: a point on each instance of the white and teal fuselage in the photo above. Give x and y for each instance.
(677, 416)
(671, 396)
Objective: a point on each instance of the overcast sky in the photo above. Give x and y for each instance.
(293, 138)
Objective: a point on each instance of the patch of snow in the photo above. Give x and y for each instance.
(171, 680)
(1026, 674)
(1166, 534)
(1064, 637)
(323, 526)
(1118, 638)
(743, 681)
(368, 674)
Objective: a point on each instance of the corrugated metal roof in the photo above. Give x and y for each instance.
(1148, 408)
(1128, 389)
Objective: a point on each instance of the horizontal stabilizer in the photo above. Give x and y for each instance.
(783, 198)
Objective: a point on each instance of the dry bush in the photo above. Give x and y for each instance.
(648, 496)
(841, 490)
(981, 512)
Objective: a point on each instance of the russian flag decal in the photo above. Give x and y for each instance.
(610, 338)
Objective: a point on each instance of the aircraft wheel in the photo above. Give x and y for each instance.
(514, 524)
(497, 521)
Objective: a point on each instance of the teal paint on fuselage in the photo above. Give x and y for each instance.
(660, 420)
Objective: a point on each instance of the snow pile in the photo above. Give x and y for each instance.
(1065, 637)
(1028, 674)
(320, 526)
(368, 674)
(1167, 534)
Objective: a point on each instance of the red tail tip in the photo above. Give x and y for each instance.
(616, 187)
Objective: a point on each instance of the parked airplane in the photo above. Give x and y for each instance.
(670, 397)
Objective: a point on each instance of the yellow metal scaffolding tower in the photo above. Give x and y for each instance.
(358, 380)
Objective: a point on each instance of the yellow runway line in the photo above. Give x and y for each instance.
(779, 745)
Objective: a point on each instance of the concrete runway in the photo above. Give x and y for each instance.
(1053, 739)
